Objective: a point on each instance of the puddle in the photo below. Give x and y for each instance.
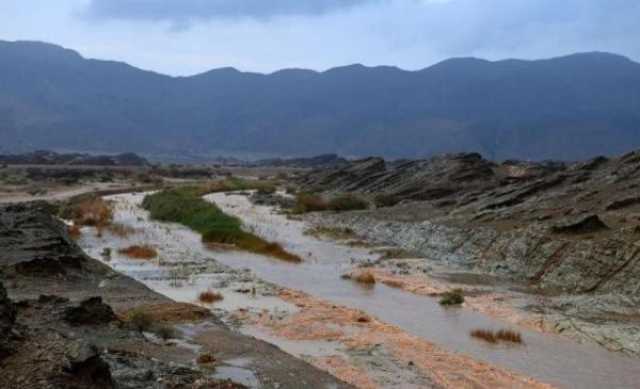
(548, 358)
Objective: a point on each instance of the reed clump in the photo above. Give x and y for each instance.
(504, 335)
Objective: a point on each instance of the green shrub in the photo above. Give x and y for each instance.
(452, 297)
(165, 332)
(347, 202)
(307, 202)
(140, 321)
(185, 206)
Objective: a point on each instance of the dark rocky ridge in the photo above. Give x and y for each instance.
(570, 227)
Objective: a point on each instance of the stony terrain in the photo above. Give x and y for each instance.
(566, 230)
(67, 321)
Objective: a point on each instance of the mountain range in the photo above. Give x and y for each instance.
(567, 108)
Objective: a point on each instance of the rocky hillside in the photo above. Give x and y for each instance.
(560, 227)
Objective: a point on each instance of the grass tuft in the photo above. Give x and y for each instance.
(90, 211)
(486, 335)
(509, 336)
(210, 297)
(365, 277)
(496, 336)
(186, 206)
(139, 320)
(139, 252)
(206, 359)
(347, 202)
(308, 202)
(452, 297)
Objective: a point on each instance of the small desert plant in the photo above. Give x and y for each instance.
(486, 335)
(206, 359)
(452, 297)
(307, 202)
(364, 277)
(385, 200)
(140, 321)
(106, 253)
(90, 211)
(139, 252)
(165, 332)
(495, 336)
(509, 336)
(347, 202)
(210, 297)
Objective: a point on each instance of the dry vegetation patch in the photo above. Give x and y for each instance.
(90, 211)
(308, 202)
(210, 297)
(364, 277)
(496, 336)
(452, 297)
(139, 252)
(206, 359)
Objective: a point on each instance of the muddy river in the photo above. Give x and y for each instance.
(548, 358)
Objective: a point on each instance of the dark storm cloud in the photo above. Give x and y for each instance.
(186, 10)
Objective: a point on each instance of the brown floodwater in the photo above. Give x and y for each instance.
(546, 357)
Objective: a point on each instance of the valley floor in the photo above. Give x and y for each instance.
(391, 334)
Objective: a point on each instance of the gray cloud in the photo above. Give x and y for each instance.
(190, 10)
(254, 35)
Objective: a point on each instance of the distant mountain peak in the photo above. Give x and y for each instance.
(38, 49)
(568, 107)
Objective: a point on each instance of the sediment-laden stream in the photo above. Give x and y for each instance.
(182, 270)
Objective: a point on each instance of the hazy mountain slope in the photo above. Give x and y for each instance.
(568, 107)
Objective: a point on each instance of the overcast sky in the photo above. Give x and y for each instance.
(183, 37)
